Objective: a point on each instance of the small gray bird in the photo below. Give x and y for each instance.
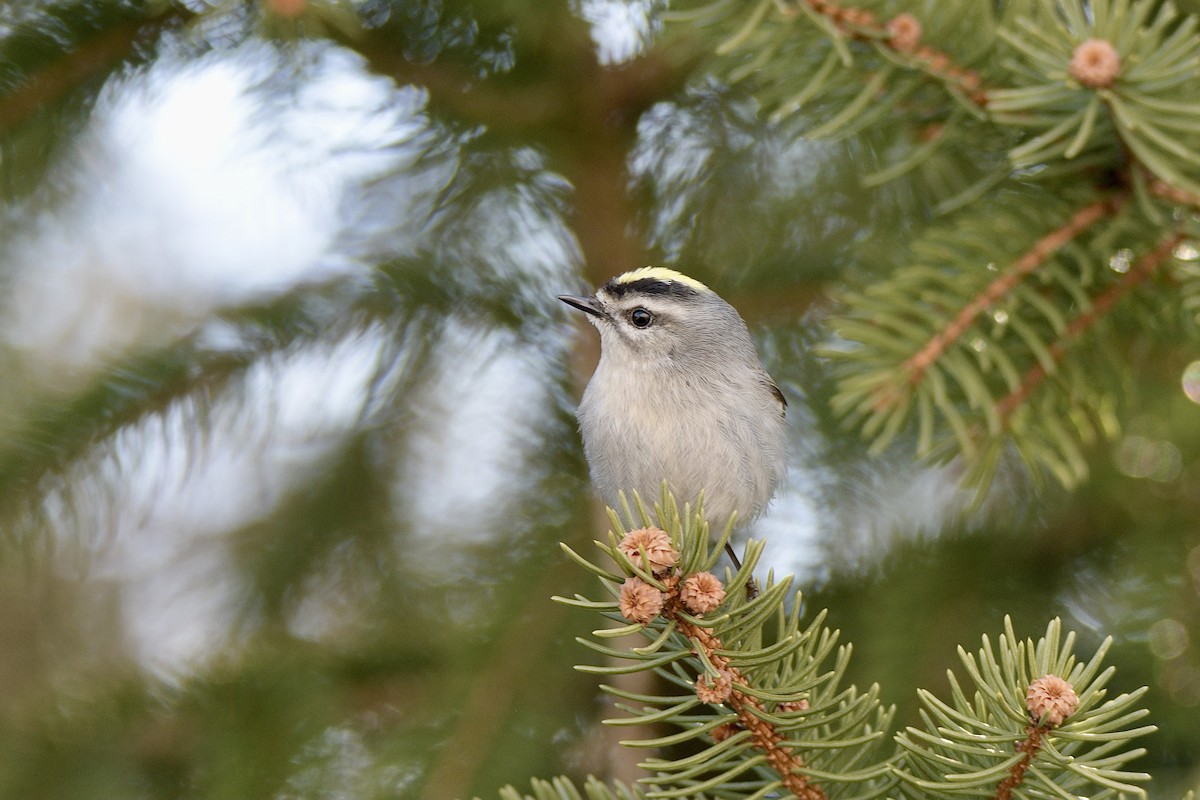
(679, 395)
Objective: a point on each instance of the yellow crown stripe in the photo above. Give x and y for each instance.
(660, 274)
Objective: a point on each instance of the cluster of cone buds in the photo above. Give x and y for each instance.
(641, 601)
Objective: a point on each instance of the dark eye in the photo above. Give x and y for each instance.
(641, 318)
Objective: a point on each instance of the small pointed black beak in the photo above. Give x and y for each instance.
(588, 305)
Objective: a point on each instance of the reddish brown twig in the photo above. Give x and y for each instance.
(1160, 188)
(1029, 748)
(698, 594)
(1049, 700)
(901, 34)
(768, 740)
(1146, 266)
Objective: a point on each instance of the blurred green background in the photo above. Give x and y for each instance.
(286, 432)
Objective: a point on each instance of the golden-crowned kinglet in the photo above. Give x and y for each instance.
(679, 395)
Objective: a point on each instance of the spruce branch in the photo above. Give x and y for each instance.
(1147, 265)
(916, 365)
(1079, 87)
(898, 38)
(750, 711)
(1029, 749)
(1038, 724)
(1135, 60)
(748, 688)
(752, 700)
(959, 351)
(866, 46)
(1050, 700)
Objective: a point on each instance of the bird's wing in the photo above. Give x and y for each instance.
(778, 396)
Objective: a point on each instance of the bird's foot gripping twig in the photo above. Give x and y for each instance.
(751, 586)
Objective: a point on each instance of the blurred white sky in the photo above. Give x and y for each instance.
(620, 28)
(186, 196)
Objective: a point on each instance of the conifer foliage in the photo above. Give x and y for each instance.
(1032, 168)
(754, 702)
(1057, 146)
(757, 696)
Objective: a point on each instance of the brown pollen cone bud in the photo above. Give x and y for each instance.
(715, 690)
(1050, 700)
(1095, 64)
(657, 544)
(702, 592)
(904, 32)
(639, 601)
